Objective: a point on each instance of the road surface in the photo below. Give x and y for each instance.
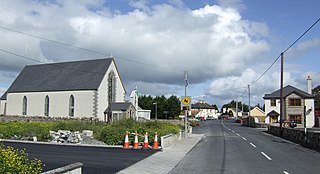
(228, 148)
(95, 159)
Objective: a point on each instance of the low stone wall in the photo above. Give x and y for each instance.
(42, 119)
(75, 168)
(170, 139)
(311, 140)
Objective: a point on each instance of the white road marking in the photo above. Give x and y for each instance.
(244, 138)
(285, 172)
(238, 134)
(253, 145)
(233, 131)
(265, 155)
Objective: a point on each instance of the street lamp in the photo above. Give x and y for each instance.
(156, 109)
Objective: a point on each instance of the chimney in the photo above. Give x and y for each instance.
(309, 88)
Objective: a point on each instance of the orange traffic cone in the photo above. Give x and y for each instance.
(126, 141)
(136, 142)
(146, 144)
(155, 143)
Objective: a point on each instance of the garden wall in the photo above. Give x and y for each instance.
(311, 140)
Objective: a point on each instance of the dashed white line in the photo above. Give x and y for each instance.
(253, 145)
(244, 138)
(265, 155)
(238, 134)
(285, 172)
(232, 131)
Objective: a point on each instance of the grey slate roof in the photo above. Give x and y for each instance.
(273, 113)
(4, 96)
(120, 106)
(201, 105)
(65, 76)
(286, 92)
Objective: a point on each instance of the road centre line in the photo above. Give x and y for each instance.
(238, 134)
(265, 155)
(285, 172)
(253, 145)
(244, 138)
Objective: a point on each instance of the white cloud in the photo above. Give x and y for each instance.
(210, 42)
(223, 90)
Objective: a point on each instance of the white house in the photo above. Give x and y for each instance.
(203, 109)
(294, 102)
(69, 89)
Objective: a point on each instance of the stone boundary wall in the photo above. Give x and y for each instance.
(42, 119)
(311, 140)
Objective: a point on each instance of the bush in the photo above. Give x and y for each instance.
(15, 161)
(114, 133)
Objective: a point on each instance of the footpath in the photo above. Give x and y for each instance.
(165, 160)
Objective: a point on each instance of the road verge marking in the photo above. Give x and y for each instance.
(253, 145)
(265, 155)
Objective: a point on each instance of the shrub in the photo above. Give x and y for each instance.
(114, 133)
(15, 161)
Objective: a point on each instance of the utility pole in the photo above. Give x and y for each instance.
(156, 105)
(281, 93)
(186, 111)
(237, 108)
(249, 104)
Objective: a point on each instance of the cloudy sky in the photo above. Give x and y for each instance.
(224, 45)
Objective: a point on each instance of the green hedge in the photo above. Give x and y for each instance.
(111, 134)
(114, 134)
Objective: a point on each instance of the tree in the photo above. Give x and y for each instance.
(174, 106)
(215, 107)
(233, 104)
(165, 107)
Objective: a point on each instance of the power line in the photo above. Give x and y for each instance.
(39, 61)
(88, 50)
(302, 35)
(285, 51)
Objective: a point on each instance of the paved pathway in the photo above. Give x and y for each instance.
(165, 160)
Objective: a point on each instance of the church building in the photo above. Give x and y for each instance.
(77, 89)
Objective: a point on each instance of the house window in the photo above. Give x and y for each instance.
(46, 106)
(295, 102)
(295, 118)
(273, 102)
(24, 105)
(71, 106)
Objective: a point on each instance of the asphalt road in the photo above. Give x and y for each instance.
(228, 148)
(95, 159)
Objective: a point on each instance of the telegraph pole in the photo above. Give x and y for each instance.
(186, 111)
(249, 104)
(237, 108)
(281, 93)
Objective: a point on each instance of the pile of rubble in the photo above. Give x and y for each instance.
(66, 136)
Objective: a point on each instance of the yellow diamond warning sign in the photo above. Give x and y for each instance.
(186, 100)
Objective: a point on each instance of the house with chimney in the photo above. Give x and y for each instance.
(298, 106)
(77, 89)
